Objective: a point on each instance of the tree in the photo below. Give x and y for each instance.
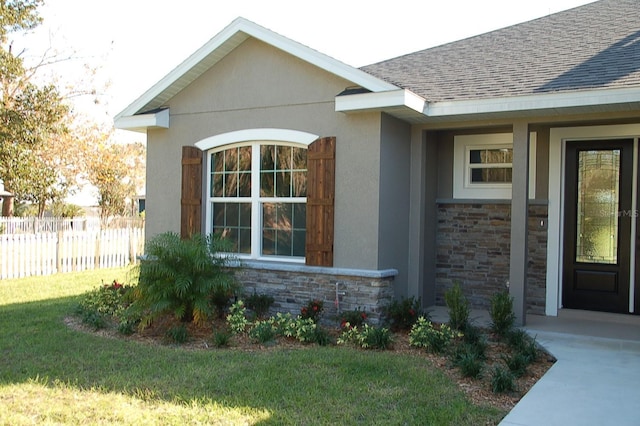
(116, 171)
(30, 116)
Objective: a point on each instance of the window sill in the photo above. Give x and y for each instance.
(300, 267)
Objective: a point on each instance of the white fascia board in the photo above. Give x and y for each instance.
(534, 102)
(140, 122)
(241, 25)
(316, 58)
(381, 100)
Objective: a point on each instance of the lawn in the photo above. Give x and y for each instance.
(51, 374)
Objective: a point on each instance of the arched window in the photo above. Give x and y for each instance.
(257, 194)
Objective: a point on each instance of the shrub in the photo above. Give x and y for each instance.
(502, 381)
(423, 334)
(501, 312)
(221, 339)
(367, 337)
(404, 313)
(262, 332)
(220, 299)
(520, 342)
(178, 334)
(313, 310)
(237, 318)
(517, 363)
(458, 307)
(259, 303)
(469, 363)
(104, 305)
(304, 330)
(179, 276)
(355, 318)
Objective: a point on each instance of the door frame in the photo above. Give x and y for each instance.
(555, 222)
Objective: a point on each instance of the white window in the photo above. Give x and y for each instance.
(256, 198)
(483, 166)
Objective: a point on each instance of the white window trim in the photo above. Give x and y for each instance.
(255, 200)
(462, 186)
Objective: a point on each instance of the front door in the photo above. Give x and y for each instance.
(597, 225)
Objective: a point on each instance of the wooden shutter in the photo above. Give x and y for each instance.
(321, 160)
(191, 197)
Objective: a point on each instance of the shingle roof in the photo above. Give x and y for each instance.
(592, 46)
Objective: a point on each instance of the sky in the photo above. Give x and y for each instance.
(123, 47)
(134, 43)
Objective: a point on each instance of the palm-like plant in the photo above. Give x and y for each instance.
(179, 276)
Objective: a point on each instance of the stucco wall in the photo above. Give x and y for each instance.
(395, 157)
(258, 86)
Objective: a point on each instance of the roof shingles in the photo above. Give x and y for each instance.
(593, 46)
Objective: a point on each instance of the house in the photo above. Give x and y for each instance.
(505, 160)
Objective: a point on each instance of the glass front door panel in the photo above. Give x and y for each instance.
(597, 206)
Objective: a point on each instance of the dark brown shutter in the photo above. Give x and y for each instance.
(191, 200)
(321, 161)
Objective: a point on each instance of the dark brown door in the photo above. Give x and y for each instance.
(597, 226)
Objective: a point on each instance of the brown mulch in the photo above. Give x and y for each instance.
(477, 390)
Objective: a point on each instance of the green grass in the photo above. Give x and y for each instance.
(50, 374)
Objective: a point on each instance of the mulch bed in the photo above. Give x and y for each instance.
(477, 390)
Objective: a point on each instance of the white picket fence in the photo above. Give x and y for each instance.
(23, 255)
(35, 225)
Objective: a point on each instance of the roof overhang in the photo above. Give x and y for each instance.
(142, 122)
(408, 106)
(221, 45)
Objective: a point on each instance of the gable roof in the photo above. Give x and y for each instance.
(585, 59)
(595, 46)
(154, 99)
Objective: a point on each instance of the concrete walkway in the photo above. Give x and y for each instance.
(596, 380)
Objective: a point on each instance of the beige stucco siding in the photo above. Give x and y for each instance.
(394, 187)
(258, 86)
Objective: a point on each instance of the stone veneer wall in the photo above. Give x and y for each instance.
(473, 247)
(292, 286)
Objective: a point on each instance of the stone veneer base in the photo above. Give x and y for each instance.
(293, 285)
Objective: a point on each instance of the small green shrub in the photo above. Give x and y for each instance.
(178, 334)
(284, 324)
(237, 318)
(107, 304)
(94, 319)
(259, 303)
(305, 330)
(424, 334)
(312, 310)
(501, 312)
(376, 337)
(220, 300)
(262, 332)
(502, 380)
(474, 338)
(403, 313)
(470, 364)
(127, 326)
(367, 337)
(321, 337)
(520, 342)
(517, 363)
(221, 339)
(458, 307)
(355, 318)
